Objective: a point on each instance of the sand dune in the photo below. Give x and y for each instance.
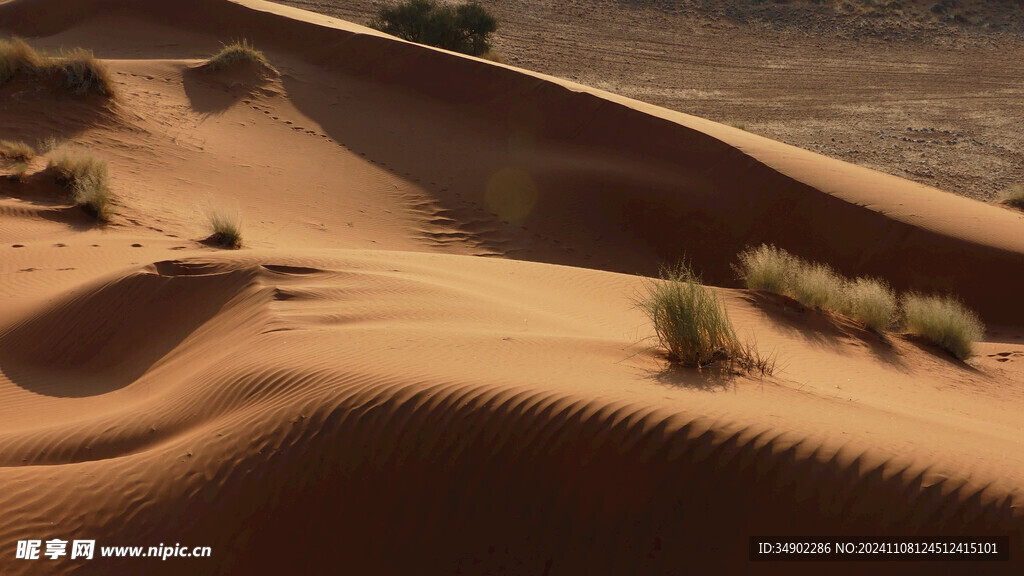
(358, 390)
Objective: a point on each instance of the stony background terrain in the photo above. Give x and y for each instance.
(930, 91)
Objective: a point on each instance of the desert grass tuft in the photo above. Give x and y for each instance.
(86, 179)
(21, 171)
(943, 321)
(16, 151)
(83, 73)
(226, 232)
(1014, 197)
(767, 268)
(237, 52)
(818, 286)
(16, 56)
(872, 302)
(688, 318)
(748, 358)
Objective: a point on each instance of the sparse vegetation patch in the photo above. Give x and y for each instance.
(82, 72)
(1014, 197)
(872, 302)
(226, 232)
(943, 321)
(16, 151)
(86, 179)
(238, 52)
(464, 28)
(689, 321)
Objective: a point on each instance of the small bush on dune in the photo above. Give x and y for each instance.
(82, 73)
(16, 151)
(239, 51)
(943, 321)
(688, 319)
(86, 179)
(1014, 197)
(465, 28)
(226, 232)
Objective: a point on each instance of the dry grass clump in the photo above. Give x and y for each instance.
(20, 171)
(872, 302)
(17, 57)
(86, 179)
(818, 286)
(16, 151)
(943, 321)
(1014, 197)
(688, 319)
(83, 74)
(767, 268)
(693, 325)
(226, 232)
(236, 52)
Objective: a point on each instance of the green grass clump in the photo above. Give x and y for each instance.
(237, 52)
(16, 151)
(86, 179)
(1014, 197)
(688, 319)
(943, 321)
(872, 302)
(226, 232)
(83, 73)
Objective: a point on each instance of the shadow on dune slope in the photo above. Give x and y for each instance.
(567, 175)
(103, 337)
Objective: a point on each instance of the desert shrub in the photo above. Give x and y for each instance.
(872, 302)
(225, 231)
(1014, 197)
(767, 268)
(689, 321)
(818, 286)
(16, 151)
(82, 73)
(86, 179)
(943, 321)
(465, 28)
(237, 52)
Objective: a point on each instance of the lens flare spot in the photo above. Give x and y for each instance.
(511, 194)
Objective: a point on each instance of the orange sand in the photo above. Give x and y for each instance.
(358, 391)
